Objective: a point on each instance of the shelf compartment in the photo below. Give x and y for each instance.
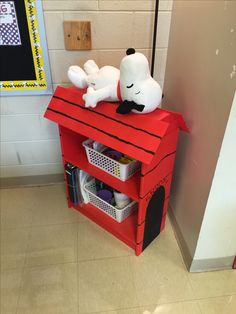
(116, 213)
(121, 171)
(74, 153)
(125, 231)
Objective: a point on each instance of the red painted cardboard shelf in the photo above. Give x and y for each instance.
(125, 231)
(151, 139)
(75, 154)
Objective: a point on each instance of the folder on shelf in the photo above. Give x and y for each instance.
(84, 177)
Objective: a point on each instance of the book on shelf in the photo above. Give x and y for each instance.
(73, 183)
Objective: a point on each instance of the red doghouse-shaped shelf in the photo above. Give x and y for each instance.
(150, 138)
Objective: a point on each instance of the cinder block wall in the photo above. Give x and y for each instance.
(29, 143)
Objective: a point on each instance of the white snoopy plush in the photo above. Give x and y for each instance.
(132, 85)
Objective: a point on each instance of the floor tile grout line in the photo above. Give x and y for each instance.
(62, 263)
(182, 301)
(165, 303)
(199, 307)
(29, 186)
(190, 283)
(78, 289)
(139, 305)
(188, 300)
(27, 247)
(33, 267)
(20, 289)
(77, 241)
(214, 297)
(121, 308)
(43, 225)
(77, 268)
(201, 298)
(39, 266)
(135, 286)
(28, 244)
(102, 258)
(23, 269)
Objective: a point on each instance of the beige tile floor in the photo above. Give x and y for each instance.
(55, 261)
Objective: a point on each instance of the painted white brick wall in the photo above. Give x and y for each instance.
(29, 143)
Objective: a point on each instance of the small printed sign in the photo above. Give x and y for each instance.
(9, 30)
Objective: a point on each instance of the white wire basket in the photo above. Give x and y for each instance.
(109, 165)
(117, 214)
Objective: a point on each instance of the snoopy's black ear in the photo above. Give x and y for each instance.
(130, 51)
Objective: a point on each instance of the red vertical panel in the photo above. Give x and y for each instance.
(168, 145)
(142, 210)
(167, 184)
(140, 232)
(138, 249)
(151, 180)
(161, 165)
(164, 214)
(61, 132)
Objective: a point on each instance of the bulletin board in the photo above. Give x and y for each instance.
(24, 68)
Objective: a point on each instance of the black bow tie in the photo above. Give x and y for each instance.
(126, 106)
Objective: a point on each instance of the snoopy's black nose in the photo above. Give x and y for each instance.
(130, 51)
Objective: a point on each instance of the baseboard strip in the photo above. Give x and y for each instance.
(31, 180)
(180, 239)
(210, 264)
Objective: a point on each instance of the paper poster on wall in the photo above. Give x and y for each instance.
(23, 49)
